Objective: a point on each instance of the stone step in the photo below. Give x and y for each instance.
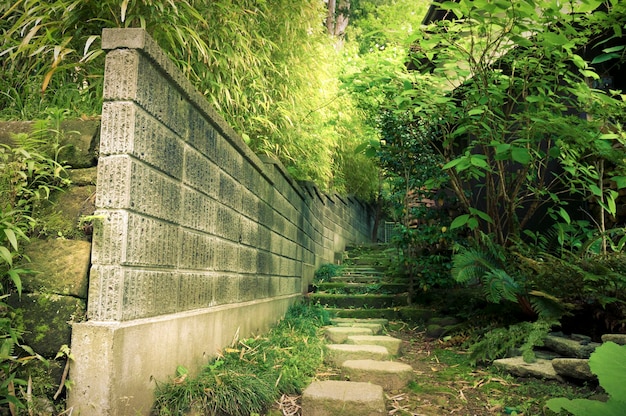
(339, 335)
(358, 301)
(392, 344)
(350, 287)
(337, 321)
(390, 375)
(356, 279)
(360, 270)
(375, 328)
(343, 398)
(337, 354)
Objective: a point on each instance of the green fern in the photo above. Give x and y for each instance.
(485, 265)
(471, 264)
(501, 342)
(498, 285)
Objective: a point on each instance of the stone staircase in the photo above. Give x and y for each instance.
(358, 348)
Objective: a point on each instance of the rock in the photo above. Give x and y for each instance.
(343, 398)
(61, 267)
(339, 335)
(62, 216)
(83, 177)
(47, 317)
(436, 331)
(577, 368)
(539, 369)
(570, 348)
(443, 320)
(619, 339)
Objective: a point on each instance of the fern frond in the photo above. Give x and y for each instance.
(547, 306)
(471, 265)
(498, 285)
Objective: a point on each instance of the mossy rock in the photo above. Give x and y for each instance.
(61, 216)
(61, 267)
(47, 318)
(78, 139)
(415, 314)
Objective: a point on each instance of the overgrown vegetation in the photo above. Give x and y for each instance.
(326, 272)
(507, 106)
(29, 172)
(269, 70)
(250, 375)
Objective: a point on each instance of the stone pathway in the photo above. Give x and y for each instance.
(366, 359)
(364, 356)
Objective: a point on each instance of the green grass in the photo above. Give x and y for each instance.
(250, 376)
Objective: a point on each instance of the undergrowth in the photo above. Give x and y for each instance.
(326, 272)
(249, 376)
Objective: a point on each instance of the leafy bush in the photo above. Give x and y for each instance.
(608, 362)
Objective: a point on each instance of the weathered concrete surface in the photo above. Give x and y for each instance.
(339, 335)
(337, 354)
(390, 375)
(577, 368)
(392, 344)
(343, 398)
(539, 369)
(141, 352)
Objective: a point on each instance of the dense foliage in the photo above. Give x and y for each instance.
(268, 68)
(513, 82)
(29, 172)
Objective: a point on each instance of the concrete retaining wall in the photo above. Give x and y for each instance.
(198, 241)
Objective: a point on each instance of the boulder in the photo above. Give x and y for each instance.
(539, 369)
(48, 319)
(568, 347)
(577, 368)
